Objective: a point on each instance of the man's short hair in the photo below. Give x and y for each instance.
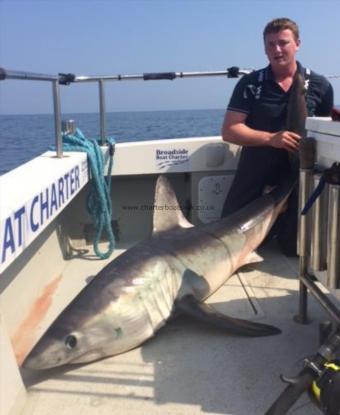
(282, 23)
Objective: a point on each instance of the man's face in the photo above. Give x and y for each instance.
(281, 48)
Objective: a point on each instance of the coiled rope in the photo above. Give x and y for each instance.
(98, 202)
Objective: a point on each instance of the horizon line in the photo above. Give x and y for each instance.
(120, 112)
(115, 112)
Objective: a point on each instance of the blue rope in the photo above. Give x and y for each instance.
(99, 198)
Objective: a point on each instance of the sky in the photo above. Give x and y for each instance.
(103, 37)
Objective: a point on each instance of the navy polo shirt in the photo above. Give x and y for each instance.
(260, 97)
(263, 100)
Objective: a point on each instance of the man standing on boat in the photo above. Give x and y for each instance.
(256, 120)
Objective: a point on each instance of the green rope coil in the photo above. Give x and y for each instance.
(98, 202)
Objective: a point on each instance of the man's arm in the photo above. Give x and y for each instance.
(235, 130)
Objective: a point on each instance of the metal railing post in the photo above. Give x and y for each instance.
(57, 118)
(318, 260)
(333, 246)
(102, 112)
(307, 161)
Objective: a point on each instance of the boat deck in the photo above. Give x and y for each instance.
(189, 368)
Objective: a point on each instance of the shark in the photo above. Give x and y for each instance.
(171, 272)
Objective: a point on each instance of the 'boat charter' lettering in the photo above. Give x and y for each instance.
(19, 227)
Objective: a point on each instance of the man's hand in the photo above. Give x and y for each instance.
(236, 131)
(286, 140)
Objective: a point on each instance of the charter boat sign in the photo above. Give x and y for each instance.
(24, 217)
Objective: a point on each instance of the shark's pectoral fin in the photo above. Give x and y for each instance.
(204, 312)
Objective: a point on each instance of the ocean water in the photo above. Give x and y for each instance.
(23, 137)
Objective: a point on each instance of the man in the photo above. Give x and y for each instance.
(256, 118)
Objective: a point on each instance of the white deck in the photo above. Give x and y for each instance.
(189, 368)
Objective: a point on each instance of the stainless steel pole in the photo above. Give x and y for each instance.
(57, 119)
(307, 160)
(318, 260)
(29, 76)
(333, 259)
(102, 112)
(306, 176)
(159, 76)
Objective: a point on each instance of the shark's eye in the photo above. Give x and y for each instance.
(71, 341)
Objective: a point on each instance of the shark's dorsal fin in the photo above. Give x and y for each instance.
(167, 212)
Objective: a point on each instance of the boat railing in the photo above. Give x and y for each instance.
(67, 79)
(54, 79)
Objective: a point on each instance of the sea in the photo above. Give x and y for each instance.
(23, 137)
